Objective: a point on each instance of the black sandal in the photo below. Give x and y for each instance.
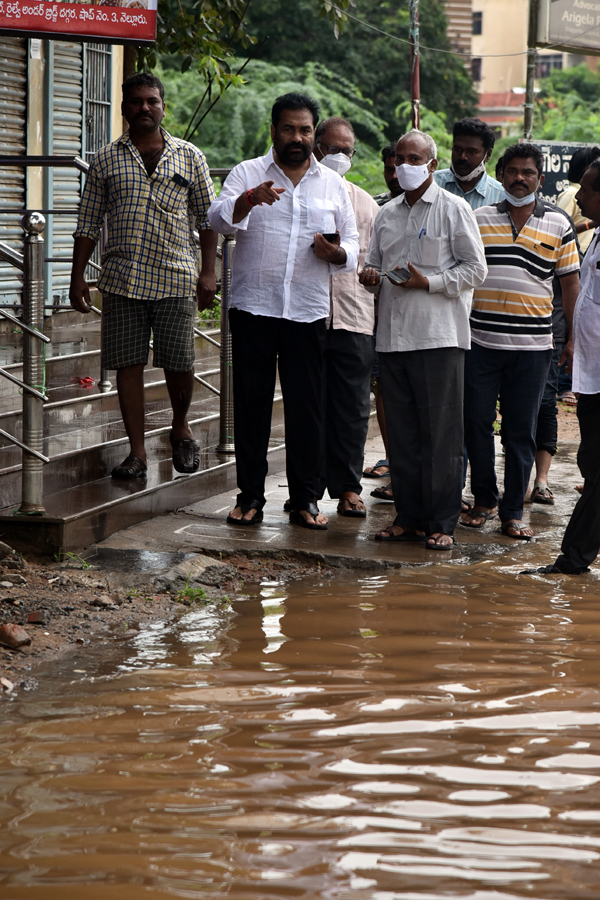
(131, 467)
(246, 507)
(296, 517)
(186, 454)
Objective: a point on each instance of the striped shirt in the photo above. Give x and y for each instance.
(512, 309)
(486, 191)
(149, 251)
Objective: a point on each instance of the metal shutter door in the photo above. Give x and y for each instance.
(13, 119)
(67, 95)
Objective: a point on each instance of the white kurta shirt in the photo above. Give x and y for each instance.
(275, 271)
(439, 235)
(586, 324)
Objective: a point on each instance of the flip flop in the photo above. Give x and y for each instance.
(246, 507)
(436, 545)
(372, 474)
(403, 537)
(568, 398)
(477, 515)
(296, 517)
(517, 526)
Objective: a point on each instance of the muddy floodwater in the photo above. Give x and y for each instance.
(429, 734)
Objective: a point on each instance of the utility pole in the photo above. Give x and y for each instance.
(532, 36)
(415, 82)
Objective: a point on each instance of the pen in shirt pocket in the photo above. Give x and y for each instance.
(422, 232)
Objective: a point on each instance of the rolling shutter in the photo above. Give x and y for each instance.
(67, 100)
(13, 120)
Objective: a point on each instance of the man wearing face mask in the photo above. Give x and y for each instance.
(526, 243)
(349, 346)
(280, 206)
(472, 145)
(425, 257)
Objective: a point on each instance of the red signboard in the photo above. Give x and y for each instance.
(120, 22)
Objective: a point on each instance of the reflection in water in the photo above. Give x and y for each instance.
(425, 736)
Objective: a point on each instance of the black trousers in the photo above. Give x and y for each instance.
(423, 400)
(258, 344)
(581, 541)
(348, 364)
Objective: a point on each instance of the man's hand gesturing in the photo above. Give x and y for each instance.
(265, 193)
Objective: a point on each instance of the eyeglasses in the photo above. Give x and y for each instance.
(327, 149)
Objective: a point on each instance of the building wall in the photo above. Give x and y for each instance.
(459, 14)
(504, 31)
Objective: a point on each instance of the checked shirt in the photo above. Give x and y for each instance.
(149, 251)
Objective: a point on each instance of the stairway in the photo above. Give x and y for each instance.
(84, 438)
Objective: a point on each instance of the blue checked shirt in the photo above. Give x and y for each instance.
(149, 251)
(486, 191)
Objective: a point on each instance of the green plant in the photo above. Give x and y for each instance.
(189, 595)
(72, 560)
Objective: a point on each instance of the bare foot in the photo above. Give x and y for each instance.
(579, 488)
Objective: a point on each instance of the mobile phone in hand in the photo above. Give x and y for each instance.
(397, 276)
(331, 236)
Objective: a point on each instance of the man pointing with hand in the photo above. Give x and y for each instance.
(294, 226)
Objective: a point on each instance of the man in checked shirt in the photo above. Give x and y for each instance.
(147, 184)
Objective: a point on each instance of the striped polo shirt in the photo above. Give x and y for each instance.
(512, 309)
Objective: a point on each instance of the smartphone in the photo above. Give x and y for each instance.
(397, 276)
(330, 236)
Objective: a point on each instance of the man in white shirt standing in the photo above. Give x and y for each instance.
(428, 241)
(581, 541)
(349, 347)
(279, 206)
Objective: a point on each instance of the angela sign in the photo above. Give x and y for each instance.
(115, 21)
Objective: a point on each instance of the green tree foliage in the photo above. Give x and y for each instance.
(238, 127)
(201, 34)
(379, 64)
(568, 106)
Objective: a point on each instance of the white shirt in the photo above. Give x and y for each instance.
(439, 235)
(275, 271)
(352, 306)
(586, 324)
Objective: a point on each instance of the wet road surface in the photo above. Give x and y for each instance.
(431, 733)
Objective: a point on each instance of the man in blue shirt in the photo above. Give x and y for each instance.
(472, 145)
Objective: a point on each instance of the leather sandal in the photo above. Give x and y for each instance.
(296, 517)
(246, 507)
(409, 537)
(186, 454)
(541, 493)
(131, 467)
(383, 493)
(353, 510)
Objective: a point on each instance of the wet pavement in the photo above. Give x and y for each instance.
(422, 732)
(350, 541)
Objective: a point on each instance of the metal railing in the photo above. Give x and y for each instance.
(33, 384)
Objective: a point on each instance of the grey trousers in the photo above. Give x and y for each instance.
(581, 541)
(423, 400)
(348, 364)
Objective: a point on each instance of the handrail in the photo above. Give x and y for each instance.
(11, 256)
(46, 162)
(32, 331)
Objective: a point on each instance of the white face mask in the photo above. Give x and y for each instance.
(520, 201)
(412, 177)
(476, 173)
(339, 162)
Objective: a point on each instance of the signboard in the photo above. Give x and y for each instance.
(117, 21)
(557, 156)
(571, 25)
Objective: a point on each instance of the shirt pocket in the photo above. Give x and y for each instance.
(321, 216)
(170, 197)
(428, 249)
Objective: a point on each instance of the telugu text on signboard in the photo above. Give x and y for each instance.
(118, 21)
(557, 157)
